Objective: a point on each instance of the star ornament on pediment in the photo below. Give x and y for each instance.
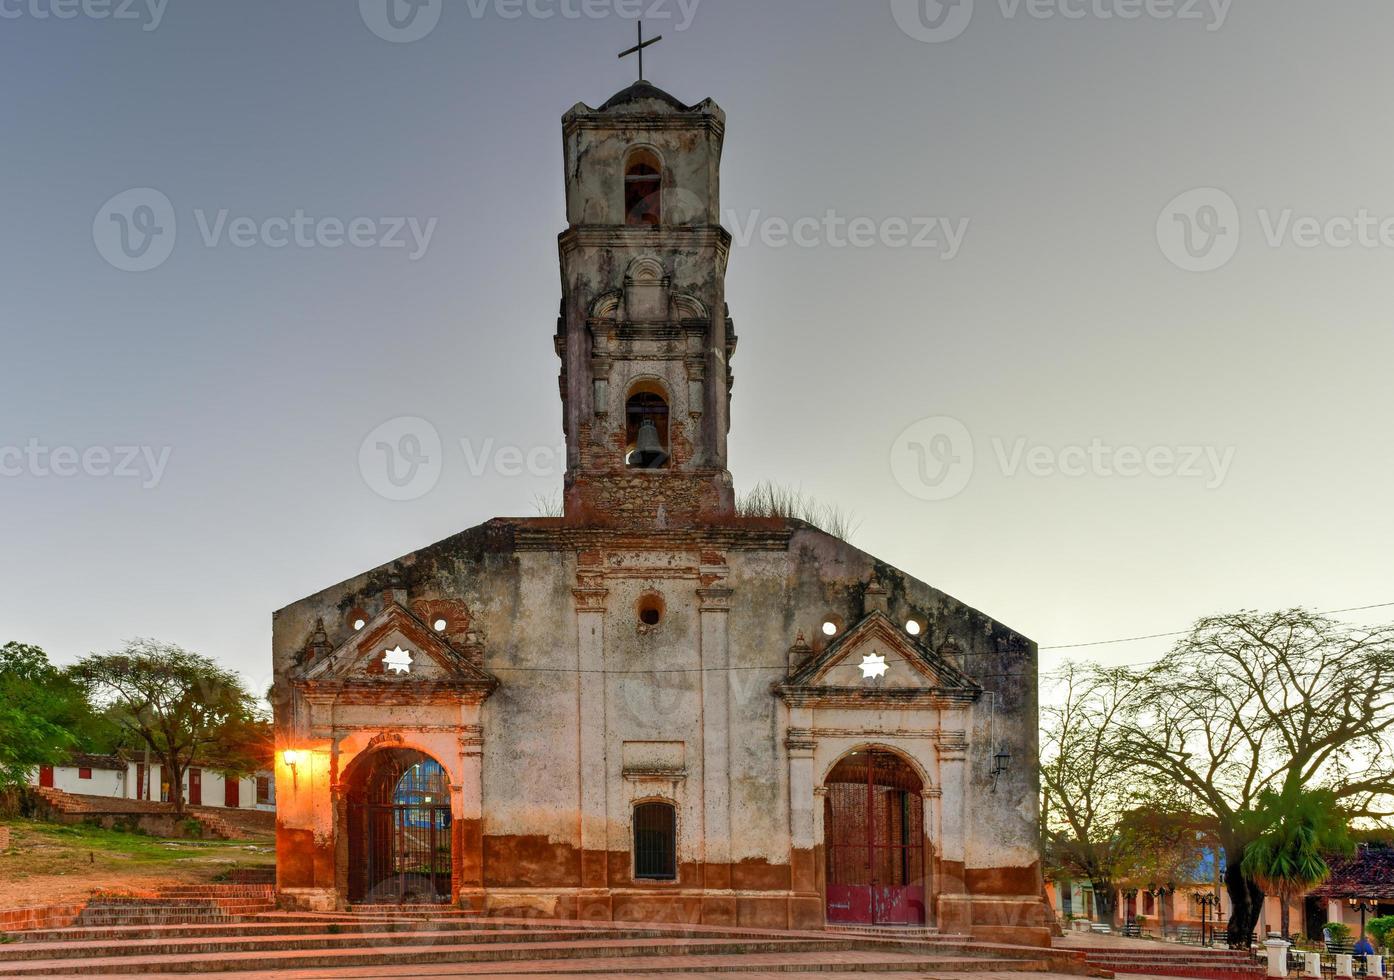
(397, 660)
(873, 666)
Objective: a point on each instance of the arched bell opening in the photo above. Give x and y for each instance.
(646, 429)
(399, 829)
(643, 189)
(873, 826)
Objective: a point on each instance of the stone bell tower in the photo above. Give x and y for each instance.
(644, 336)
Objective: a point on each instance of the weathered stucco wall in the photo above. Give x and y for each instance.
(595, 711)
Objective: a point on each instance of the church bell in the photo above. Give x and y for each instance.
(649, 453)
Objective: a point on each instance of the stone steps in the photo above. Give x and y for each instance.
(659, 961)
(896, 932)
(1167, 968)
(222, 942)
(262, 893)
(72, 804)
(253, 876)
(420, 911)
(384, 930)
(218, 960)
(176, 904)
(162, 919)
(1202, 964)
(377, 946)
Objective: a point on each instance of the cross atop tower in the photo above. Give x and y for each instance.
(639, 49)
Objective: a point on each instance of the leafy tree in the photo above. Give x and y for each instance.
(181, 705)
(1250, 704)
(1381, 930)
(42, 713)
(1288, 856)
(1167, 848)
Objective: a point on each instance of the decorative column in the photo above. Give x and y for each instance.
(933, 798)
(955, 913)
(800, 743)
(715, 611)
(467, 809)
(591, 727)
(1278, 959)
(806, 910)
(338, 801)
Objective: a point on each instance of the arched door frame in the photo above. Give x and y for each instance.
(417, 829)
(915, 900)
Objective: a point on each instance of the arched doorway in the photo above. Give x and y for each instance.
(399, 829)
(873, 829)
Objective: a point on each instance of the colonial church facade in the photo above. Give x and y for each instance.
(652, 708)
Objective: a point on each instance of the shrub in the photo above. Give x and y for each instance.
(1381, 930)
(191, 828)
(1340, 933)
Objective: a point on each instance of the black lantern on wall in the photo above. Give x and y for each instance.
(1000, 763)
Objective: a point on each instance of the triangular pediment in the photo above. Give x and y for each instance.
(853, 661)
(397, 648)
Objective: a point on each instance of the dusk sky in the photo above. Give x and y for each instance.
(1081, 308)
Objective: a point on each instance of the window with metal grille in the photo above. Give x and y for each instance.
(655, 842)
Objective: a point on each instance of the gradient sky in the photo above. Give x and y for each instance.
(1060, 321)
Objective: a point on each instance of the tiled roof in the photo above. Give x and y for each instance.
(1367, 874)
(86, 760)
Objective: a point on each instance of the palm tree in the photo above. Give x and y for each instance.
(1299, 828)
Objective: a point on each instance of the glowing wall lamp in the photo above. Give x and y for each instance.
(292, 759)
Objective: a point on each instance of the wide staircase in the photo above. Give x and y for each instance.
(400, 942)
(177, 905)
(1170, 960)
(222, 825)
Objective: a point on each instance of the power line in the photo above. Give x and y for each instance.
(781, 668)
(1162, 636)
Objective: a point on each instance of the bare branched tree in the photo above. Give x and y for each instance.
(1254, 703)
(1087, 789)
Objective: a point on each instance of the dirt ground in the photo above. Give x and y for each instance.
(49, 864)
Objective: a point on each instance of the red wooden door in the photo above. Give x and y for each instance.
(231, 796)
(142, 787)
(196, 787)
(46, 776)
(873, 818)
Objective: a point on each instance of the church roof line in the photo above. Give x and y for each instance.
(651, 107)
(642, 91)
